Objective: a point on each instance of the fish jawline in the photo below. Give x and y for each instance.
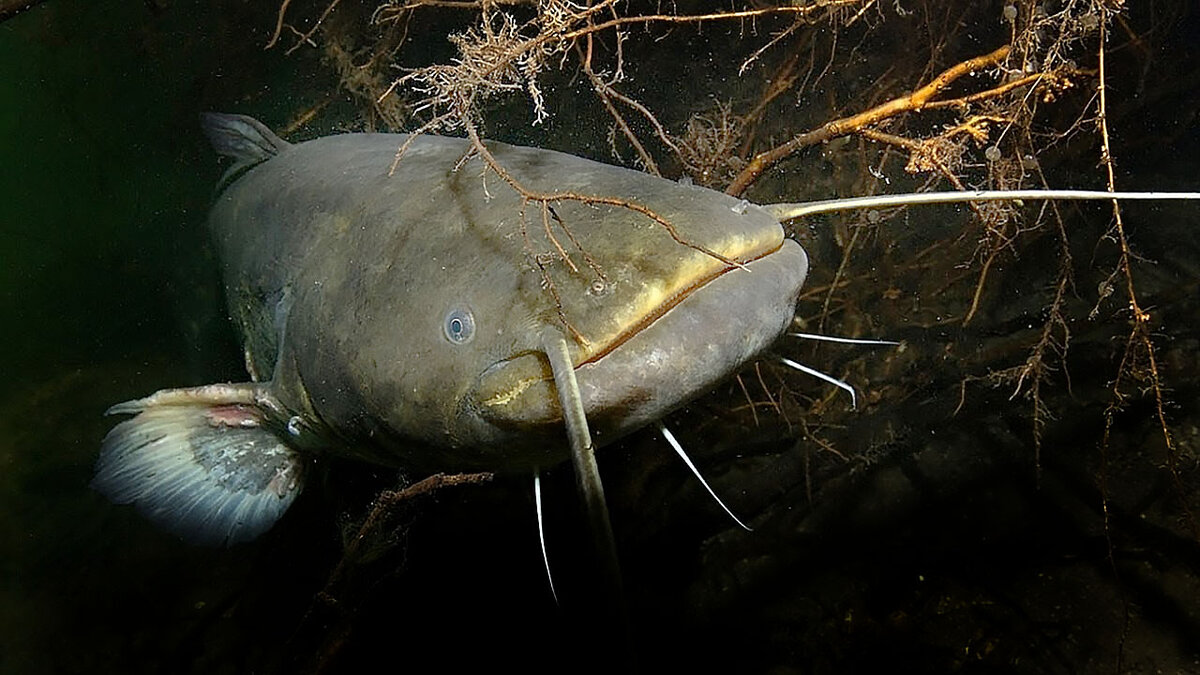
(689, 348)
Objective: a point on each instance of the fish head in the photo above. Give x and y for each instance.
(656, 311)
(435, 332)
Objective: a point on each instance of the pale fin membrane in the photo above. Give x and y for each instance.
(696, 472)
(822, 376)
(245, 139)
(241, 137)
(210, 473)
(537, 502)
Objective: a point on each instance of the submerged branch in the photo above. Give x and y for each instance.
(912, 102)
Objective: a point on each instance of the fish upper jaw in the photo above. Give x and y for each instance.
(679, 353)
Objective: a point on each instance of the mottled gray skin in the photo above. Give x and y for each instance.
(340, 278)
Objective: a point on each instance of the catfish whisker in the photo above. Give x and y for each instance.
(789, 211)
(537, 502)
(843, 340)
(683, 455)
(822, 376)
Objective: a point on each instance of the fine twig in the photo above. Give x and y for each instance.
(911, 102)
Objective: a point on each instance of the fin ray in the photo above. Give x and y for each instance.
(245, 139)
(199, 475)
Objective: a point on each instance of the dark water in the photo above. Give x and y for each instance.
(938, 546)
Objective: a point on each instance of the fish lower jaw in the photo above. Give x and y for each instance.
(507, 396)
(690, 348)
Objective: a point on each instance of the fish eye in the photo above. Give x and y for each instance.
(459, 326)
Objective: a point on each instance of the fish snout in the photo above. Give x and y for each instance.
(680, 355)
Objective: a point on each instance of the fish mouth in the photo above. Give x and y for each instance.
(653, 314)
(673, 351)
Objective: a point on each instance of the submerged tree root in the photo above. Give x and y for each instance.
(802, 102)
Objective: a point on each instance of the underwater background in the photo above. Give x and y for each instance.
(930, 538)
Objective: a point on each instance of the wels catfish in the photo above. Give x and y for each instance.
(435, 318)
(424, 319)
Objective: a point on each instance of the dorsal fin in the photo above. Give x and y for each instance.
(245, 139)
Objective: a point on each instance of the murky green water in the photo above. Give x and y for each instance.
(108, 286)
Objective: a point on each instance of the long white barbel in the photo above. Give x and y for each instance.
(822, 376)
(788, 211)
(843, 340)
(696, 472)
(537, 501)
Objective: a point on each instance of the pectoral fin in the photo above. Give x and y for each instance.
(200, 463)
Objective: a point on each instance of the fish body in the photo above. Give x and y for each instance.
(400, 316)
